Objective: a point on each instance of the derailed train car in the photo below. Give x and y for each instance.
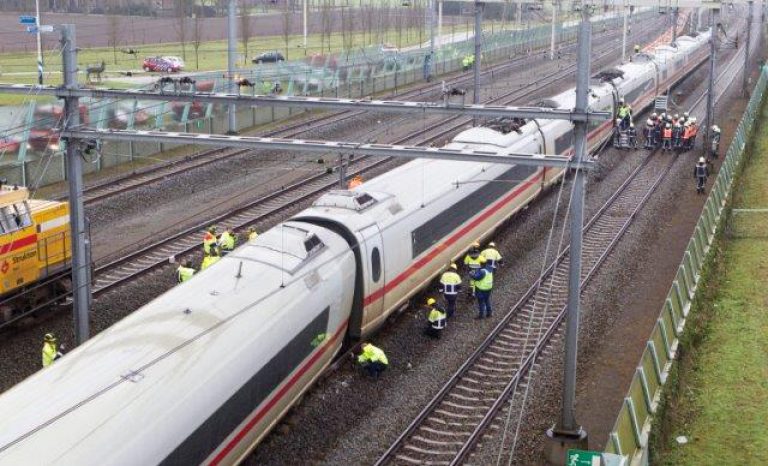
(202, 373)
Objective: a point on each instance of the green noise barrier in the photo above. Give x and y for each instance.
(630, 433)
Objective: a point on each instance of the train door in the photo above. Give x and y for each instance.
(372, 252)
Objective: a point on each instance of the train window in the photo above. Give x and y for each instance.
(312, 244)
(11, 220)
(439, 227)
(24, 219)
(375, 265)
(564, 142)
(364, 199)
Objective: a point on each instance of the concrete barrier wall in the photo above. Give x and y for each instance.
(629, 436)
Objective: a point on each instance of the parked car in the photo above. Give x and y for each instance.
(175, 62)
(159, 64)
(268, 57)
(9, 145)
(389, 49)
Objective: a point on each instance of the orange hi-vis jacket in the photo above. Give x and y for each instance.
(667, 133)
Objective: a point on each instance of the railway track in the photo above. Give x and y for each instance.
(126, 265)
(157, 172)
(122, 269)
(497, 373)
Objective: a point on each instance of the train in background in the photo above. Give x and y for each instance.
(202, 373)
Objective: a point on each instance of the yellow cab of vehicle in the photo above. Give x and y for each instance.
(34, 244)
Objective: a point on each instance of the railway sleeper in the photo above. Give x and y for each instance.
(445, 433)
(442, 443)
(466, 407)
(449, 414)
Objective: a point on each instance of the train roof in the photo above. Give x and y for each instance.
(408, 187)
(124, 383)
(10, 195)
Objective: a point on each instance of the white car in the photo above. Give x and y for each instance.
(176, 61)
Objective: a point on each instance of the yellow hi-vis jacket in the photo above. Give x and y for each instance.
(492, 255)
(437, 318)
(450, 282)
(372, 354)
(209, 261)
(49, 353)
(473, 262)
(485, 283)
(209, 239)
(184, 273)
(227, 241)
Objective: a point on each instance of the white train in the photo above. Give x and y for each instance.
(201, 374)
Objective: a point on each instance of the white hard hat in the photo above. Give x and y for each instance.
(631, 125)
(693, 119)
(715, 128)
(649, 122)
(702, 160)
(654, 115)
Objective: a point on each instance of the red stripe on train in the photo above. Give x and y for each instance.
(277, 396)
(18, 244)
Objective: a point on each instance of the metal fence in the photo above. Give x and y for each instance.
(357, 74)
(629, 436)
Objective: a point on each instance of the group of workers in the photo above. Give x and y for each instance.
(670, 132)
(214, 248)
(480, 266)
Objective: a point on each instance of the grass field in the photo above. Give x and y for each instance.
(722, 403)
(211, 55)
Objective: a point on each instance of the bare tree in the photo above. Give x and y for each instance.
(245, 26)
(327, 25)
(197, 38)
(113, 31)
(347, 21)
(181, 26)
(287, 23)
(367, 19)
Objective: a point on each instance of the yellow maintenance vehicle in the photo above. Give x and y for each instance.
(34, 253)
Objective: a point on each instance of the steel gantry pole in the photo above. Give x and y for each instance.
(231, 51)
(567, 433)
(478, 48)
(39, 44)
(745, 73)
(81, 277)
(711, 87)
